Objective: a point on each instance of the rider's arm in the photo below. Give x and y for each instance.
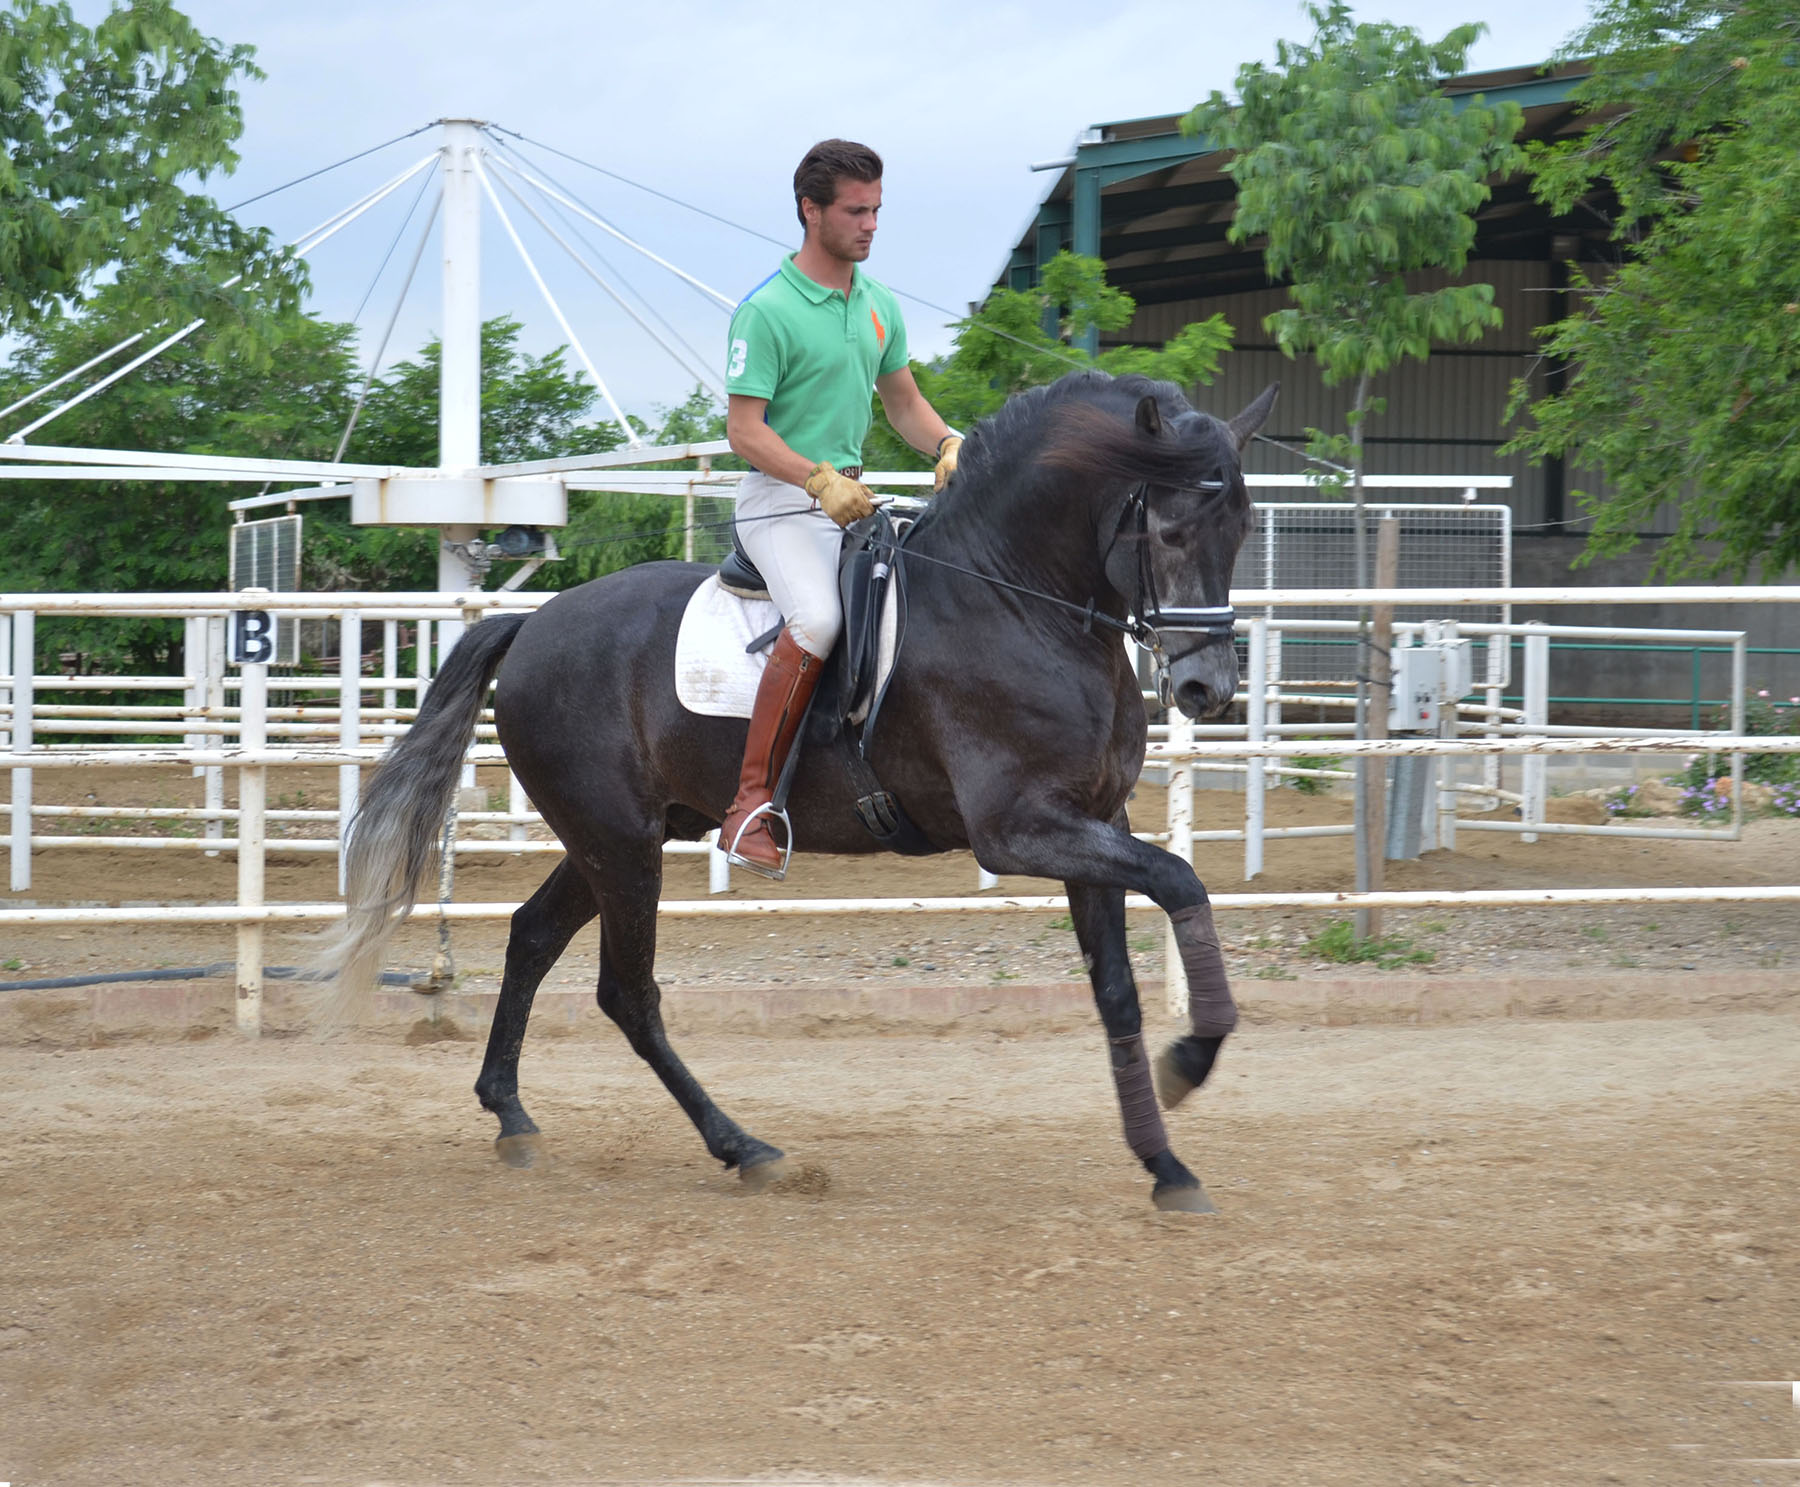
(748, 431)
(913, 419)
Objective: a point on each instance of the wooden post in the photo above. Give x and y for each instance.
(1381, 642)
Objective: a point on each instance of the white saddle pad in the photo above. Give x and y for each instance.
(714, 675)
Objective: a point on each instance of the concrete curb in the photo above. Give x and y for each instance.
(192, 1010)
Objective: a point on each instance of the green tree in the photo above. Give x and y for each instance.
(1359, 171)
(105, 128)
(532, 407)
(73, 536)
(1003, 349)
(609, 530)
(1684, 380)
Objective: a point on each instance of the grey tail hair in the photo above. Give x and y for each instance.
(394, 836)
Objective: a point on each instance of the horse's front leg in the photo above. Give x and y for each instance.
(1099, 918)
(1046, 841)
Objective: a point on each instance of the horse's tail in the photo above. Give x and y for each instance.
(393, 837)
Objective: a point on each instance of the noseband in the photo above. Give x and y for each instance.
(1212, 622)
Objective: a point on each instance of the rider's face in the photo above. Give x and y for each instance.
(846, 228)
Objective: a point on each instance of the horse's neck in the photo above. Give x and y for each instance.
(1037, 533)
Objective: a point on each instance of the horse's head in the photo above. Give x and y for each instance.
(1177, 539)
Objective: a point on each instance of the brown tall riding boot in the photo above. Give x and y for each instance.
(781, 697)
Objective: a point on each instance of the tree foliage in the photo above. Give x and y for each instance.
(532, 407)
(1359, 171)
(1003, 348)
(1684, 381)
(106, 128)
(73, 536)
(153, 535)
(609, 530)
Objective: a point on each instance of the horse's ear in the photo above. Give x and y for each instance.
(1149, 417)
(1244, 426)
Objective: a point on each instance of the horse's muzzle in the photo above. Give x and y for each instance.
(1205, 680)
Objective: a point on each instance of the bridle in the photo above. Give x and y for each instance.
(1151, 619)
(1148, 619)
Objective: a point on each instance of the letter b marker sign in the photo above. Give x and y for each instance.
(252, 637)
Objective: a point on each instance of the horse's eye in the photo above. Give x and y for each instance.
(1173, 536)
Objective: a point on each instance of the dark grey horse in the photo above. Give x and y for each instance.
(1014, 726)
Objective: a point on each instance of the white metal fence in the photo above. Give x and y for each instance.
(349, 731)
(1312, 545)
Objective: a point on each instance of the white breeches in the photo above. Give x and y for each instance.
(795, 547)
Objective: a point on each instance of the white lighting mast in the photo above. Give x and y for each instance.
(459, 391)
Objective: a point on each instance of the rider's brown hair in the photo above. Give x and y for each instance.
(827, 163)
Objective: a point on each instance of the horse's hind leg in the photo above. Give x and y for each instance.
(1099, 919)
(628, 994)
(541, 930)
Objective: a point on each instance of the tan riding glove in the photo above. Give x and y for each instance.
(948, 449)
(844, 500)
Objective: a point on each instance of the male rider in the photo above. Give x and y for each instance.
(804, 350)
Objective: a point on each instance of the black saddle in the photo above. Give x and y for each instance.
(738, 575)
(869, 565)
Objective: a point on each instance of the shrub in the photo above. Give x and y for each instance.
(1337, 942)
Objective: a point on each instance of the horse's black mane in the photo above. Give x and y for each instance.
(1024, 432)
(1016, 433)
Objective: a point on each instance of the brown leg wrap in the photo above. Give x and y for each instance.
(1210, 1007)
(1144, 1132)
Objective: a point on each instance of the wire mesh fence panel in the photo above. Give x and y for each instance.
(711, 535)
(1312, 545)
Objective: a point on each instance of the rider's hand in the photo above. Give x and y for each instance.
(844, 500)
(948, 449)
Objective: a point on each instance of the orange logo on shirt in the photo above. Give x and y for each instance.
(880, 329)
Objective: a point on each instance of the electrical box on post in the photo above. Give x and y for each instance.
(1426, 680)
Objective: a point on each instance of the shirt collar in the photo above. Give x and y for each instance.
(811, 288)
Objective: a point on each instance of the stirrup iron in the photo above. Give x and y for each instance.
(774, 813)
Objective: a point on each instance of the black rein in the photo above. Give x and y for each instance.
(1148, 619)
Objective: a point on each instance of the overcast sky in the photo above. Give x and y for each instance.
(715, 103)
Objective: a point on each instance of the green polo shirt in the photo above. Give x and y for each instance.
(815, 353)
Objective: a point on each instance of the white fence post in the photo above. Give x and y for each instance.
(349, 725)
(24, 666)
(1256, 716)
(421, 661)
(470, 619)
(253, 703)
(6, 685)
(214, 644)
(390, 670)
(1532, 768)
(193, 669)
(1449, 724)
(1181, 843)
(1740, 680)
(718, 870)
(1496, 658)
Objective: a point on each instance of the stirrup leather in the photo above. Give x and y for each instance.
(774, 813)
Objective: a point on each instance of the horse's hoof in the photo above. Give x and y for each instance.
(758, 1177)
(525, 1150)
(1171, 1198)
(1172, 1086)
